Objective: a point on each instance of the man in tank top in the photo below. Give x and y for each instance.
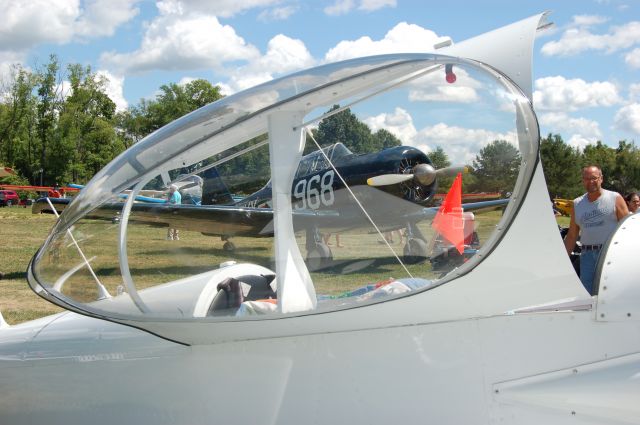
(594, 217)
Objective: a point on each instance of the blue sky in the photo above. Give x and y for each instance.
(586, 69)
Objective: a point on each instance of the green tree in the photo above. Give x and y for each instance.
(47, 113)
(439, 158)
(626, 174)
(561, 165)
(87, 138)
(383, 139)
(17, 115)
(344, 127)
(496, 167)
(173, 101)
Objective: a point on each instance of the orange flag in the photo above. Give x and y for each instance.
(448, 221)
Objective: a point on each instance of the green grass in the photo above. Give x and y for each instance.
(154, 260)
(21, 234)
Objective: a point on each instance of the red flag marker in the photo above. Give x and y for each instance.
(448, 221)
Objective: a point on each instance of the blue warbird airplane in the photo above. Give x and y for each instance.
(319, 200)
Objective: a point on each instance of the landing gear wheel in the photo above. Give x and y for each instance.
(415, 251)
(229, 246)
(319, 256)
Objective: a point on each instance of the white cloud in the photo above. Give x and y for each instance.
(221, 8)
(186, 80)
(460, 144)
(283, 55)
(342, 7)
(581, 131)
(400, 124)
(371, 5)
(7, 61)
(114, 89)
(25, 24)
(588, 20)
(102, 17)
(634, 92)
(277, 13)
(628, 118)
(431, 88)
(580, 142)
(183, 43)
(441, 93)
(180, 39)
(402, 38)
(633, 58)
(239, 81)
(559, 94)
(579, 39)
(28, 23)
(225, 89)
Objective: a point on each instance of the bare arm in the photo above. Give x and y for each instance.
(572, 234)
(622, 210)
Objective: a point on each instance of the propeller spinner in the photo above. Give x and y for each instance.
(424, 174)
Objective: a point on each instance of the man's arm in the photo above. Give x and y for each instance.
(622, 210)
(572, 234)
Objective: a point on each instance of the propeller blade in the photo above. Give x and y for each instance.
(424, 173)
(388, 179)
(451, 171)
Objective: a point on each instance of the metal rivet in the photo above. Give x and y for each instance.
(602, 315)
(604, 288)
(628, 314)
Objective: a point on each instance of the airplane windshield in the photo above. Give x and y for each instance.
(364, 181)
(321, 159)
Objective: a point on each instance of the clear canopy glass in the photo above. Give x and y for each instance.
(335, 187)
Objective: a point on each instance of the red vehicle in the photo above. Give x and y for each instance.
(8, 198)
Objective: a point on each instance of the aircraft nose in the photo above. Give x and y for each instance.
(424, 173)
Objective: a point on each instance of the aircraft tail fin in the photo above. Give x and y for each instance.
(214, 191)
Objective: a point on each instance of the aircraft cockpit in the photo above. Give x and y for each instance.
(386, 180)
(322, 159)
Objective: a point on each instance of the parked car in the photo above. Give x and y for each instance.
(8, 198)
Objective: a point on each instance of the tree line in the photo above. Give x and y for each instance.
(562, 166)
(52, 134)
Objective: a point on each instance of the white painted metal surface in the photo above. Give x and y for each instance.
(619, 284)
(295, 288)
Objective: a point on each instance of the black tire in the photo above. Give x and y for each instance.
(229, 246)
(319, 256)
(9, 203)
(415, 251)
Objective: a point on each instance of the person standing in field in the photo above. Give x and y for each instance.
(594, 217)
(174, 198)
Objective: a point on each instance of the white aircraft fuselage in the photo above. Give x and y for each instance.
(509, 337)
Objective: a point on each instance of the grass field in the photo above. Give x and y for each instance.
(154, 260)
(21, 234)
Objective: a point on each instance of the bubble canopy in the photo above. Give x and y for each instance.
(340, 186)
